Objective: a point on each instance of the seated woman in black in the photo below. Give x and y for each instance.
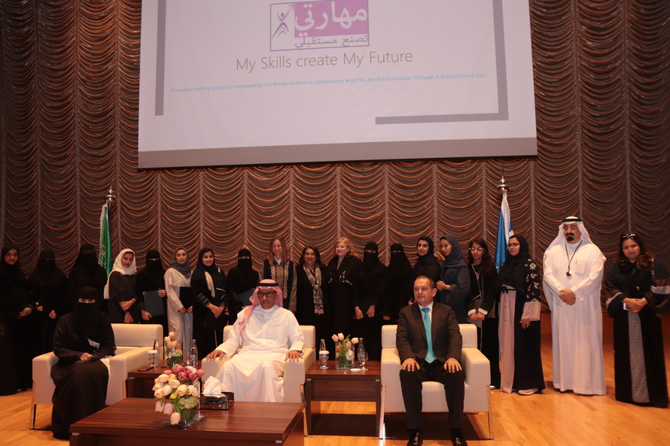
(83, 341)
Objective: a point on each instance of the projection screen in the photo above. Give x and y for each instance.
(238, 82)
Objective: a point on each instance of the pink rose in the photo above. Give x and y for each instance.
(177, 368)
(199, 373)
(192, 377)
(181, 376)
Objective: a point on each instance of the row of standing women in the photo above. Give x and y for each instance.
(346, 295)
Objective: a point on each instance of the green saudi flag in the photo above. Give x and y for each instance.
(105, 260)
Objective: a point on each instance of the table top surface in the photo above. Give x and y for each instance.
(137, 417)
(151, 373)
(372, 372)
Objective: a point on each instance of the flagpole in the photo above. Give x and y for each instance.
(105, 249)
(504, 223)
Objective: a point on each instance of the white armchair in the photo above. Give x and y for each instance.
(132, 343)
(294, 373)
(475, 366)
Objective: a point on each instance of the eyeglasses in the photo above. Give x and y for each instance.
(628, 236)
(269, 293)
(476, 249)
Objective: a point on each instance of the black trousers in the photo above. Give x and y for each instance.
(412, 383)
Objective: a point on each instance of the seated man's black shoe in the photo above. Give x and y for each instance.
(415, 439)
(457, 438)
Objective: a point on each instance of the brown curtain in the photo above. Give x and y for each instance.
(69, 92)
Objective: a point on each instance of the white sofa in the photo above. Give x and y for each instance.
(132, 343)
(475, 365)
(294, 373)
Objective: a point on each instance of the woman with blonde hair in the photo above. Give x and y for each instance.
(279, 268)
(344, 281)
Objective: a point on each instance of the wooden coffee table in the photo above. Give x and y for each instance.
(133, 422)
(344, 385)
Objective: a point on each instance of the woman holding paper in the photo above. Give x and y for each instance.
(178, 288)
(151, 280)
(518, 285)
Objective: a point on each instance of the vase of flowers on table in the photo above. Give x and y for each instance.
(177, 393)
(344, 350)
(173, 352)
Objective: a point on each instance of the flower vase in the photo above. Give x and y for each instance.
(345, 359)
(188, 417)
(172, 360)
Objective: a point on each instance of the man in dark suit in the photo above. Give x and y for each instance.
(434, 358)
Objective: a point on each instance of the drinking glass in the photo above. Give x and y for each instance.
(152, 356)
(362, 358)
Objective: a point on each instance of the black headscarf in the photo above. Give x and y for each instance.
(455, 257)
(244, 264)
(243, 276)
(87, 316)
(151, 277)
(213, 270)
(183, 268)
(399, 265)
(371, 264)
(513, 272)
(87, 258)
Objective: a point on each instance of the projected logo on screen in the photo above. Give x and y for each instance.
(319, 24)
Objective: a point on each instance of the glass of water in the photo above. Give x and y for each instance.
(152, 356)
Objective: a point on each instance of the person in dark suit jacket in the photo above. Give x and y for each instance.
(422, 361)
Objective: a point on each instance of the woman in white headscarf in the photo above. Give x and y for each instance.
(120, 290)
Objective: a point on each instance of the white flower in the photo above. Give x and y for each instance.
(159, 405)
(340, 336)
(174, 418)
(174, 383)
(181, 390)
(354, 341)
(168, 408)
(166, 390)
(350, 355)
(193, 390)
(171, 335)
(162, 378)
(158, 393)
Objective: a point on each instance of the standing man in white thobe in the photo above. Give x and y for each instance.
(573, 272)
(270, 335)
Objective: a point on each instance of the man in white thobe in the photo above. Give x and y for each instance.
(573, 272)
(270, 335)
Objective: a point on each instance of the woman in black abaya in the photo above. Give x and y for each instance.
(374, 279)
(426, 263)
(82, 342)
(48, 284)
(399, 286)
(151, 278)
(636, 284)
(17, 321)
(211, 301)
(344, 282)
(518, 284)
(242, 281)
(86, 272)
